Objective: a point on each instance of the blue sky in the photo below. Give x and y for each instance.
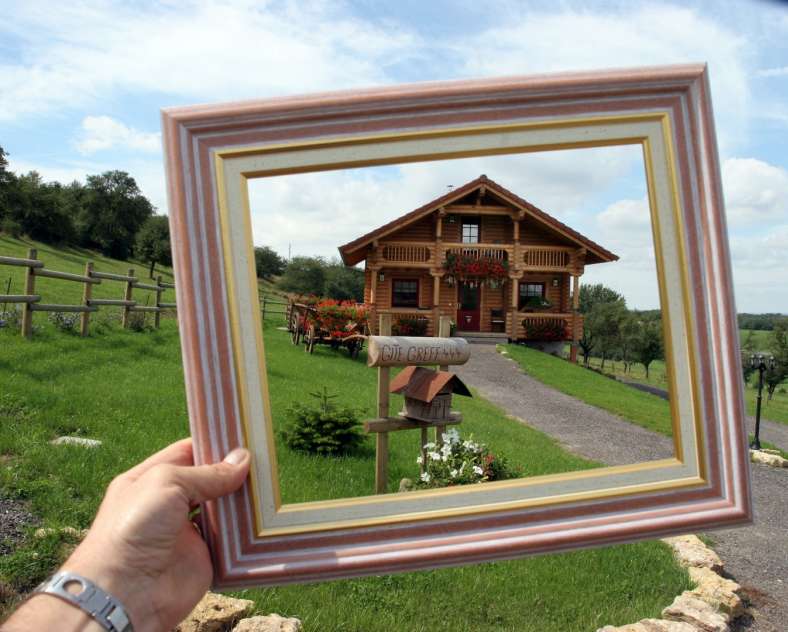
(81, 87)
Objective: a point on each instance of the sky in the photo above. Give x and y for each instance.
(82, 84)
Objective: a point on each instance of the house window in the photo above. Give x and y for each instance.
(529, 291)
(405, 293)
(470, 231)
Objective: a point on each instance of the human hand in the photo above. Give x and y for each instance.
(143, 549)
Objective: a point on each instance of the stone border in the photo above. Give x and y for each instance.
(765, 456)
(710, 607)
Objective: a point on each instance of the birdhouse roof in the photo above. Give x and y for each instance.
(418, 382)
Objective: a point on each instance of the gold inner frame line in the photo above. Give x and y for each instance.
(238, 348)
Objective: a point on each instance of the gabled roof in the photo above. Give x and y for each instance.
(424, 384)
(355, 251)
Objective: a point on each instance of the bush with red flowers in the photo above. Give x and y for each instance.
(547, 330)
(338, 319)
(415, 326)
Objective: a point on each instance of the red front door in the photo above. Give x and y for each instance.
(468, 299)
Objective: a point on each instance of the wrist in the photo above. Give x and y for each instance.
(47, 612)
(117, 582)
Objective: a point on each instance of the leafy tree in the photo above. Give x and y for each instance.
(606, 319)
(44, 211)
(591, 295)
(778, 346)
(648, 344)
(597, 331)
(114, 210)
(344, 283)
(153, 242)
(627, 332)
(267, 262)
(304, 275)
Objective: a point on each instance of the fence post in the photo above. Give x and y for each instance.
(263, 316)
(87, 292)
(382, 438)
(157, 317)
(124, 321)
(30, 288)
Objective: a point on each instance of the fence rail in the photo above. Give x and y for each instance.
(31, 302)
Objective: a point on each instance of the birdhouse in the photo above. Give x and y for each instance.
(427, 392)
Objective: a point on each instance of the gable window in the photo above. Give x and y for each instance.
(470, 231)
(405, 293)
(530, 291)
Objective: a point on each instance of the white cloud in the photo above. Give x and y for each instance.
(533, 41)
(104, 132)
(755, 191)
(781, 71)
(75, 53)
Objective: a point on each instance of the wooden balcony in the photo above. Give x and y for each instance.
(547, 258)
(407, 252)
(432, 255)
(496, 252)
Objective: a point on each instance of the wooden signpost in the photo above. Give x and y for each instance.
(385, 351)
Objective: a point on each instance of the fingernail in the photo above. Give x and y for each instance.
(237, 456)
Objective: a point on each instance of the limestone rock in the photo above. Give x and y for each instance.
(215, 613)
(690, 609)
(405, 485)
(271, 623)
(45, 532)
(689, 550)
(86, 443)
(651, 625)
(765, 457)
(718, 592)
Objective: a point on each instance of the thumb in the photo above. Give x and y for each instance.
(206, 482)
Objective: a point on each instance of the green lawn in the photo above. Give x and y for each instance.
(293, 374)
(126, 389)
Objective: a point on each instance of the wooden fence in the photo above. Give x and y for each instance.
(31, 302)
(267, 306)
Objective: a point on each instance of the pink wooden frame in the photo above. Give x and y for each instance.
(241, 555)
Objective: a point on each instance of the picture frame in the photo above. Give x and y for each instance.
(212, 151)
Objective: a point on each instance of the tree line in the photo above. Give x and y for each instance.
(311, 275)
(107, 213)
(611, 331)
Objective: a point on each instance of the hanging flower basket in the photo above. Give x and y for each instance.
(470, 269)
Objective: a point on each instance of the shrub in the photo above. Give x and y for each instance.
(138, 322)
(457, 462)
(325, 429)
(548, 330)
(64, 321)
(11, 317)
(415, 326)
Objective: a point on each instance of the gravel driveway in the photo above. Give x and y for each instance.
(756, 556)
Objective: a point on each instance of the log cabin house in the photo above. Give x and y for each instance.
(483, 256)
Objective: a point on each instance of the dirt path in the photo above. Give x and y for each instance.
(757, 556)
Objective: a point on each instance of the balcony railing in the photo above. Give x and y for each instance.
(547, 257)
(495, 252)
(406, 252)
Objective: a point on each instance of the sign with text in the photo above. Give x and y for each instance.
(410, 351)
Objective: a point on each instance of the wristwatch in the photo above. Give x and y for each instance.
(103, 607)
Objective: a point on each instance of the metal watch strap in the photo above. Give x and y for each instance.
(103, 607)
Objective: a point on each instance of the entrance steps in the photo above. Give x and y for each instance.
(482, 337)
